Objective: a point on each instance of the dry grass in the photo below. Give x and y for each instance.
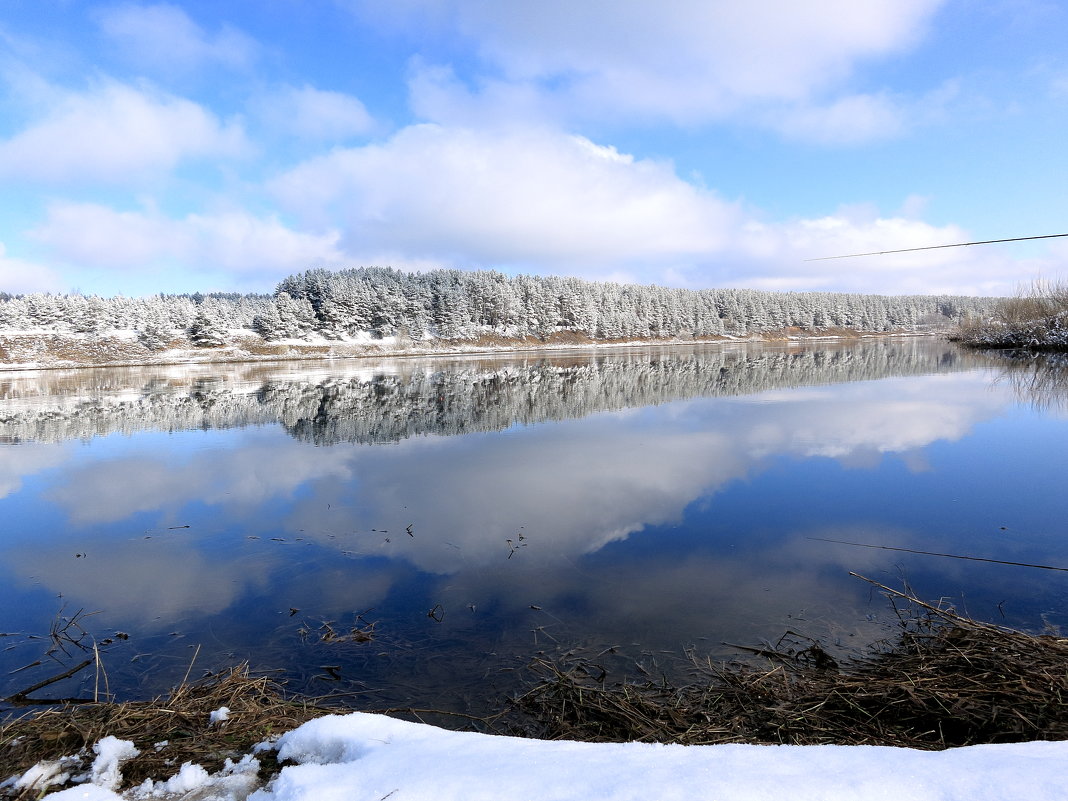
(944, 681)
(258, 710)
(947, 681)
(1042, 299)
(1037, 318)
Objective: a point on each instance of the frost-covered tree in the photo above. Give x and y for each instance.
(206, 330)
(453, 304)
(155, 331)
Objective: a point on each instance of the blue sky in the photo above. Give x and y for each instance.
(223, 145)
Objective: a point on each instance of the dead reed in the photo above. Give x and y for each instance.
(943, 680)
(946, 680)
(168, 730)
(1036, 319)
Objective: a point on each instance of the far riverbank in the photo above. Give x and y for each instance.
(45, 350)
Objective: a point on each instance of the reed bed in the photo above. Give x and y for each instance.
(945, 681)
(168, 730)
(1037, 319)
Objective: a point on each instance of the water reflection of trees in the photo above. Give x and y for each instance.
(450, 397)
(1040, 379)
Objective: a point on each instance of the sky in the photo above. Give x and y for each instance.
(220, 145)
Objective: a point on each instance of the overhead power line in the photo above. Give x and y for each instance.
(937, 247)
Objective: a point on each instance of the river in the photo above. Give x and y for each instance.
(412, 532)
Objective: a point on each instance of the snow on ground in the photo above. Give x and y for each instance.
(364, 757)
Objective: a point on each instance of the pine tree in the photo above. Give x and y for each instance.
(206, 331)
(155, 331)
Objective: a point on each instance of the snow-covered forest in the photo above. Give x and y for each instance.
(421, 398)
(377, 303)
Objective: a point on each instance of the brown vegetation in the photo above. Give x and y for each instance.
(181, 720)
(946, 681)
(1036, 319)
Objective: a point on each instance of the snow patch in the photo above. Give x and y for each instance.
(42, 775)
(366, 757)
(111, 752)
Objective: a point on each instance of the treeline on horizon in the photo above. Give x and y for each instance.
(423, 399)
(374, 303)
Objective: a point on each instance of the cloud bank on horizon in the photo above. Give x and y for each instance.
(188, 146)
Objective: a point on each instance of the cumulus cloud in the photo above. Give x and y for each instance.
(774, 256)
(314, 114)
(544, 201)
(688, 61)
(115, 132)
(163, 37)
(88, 234)
(520, 197)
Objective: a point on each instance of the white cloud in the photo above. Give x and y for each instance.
(774, 257)
(163, 37)
(18, 275)
(685, 61)
(314, 114)
(435, 93)
(529, 197)
(857, 118)
(847, 120)
(114, 132)
(544, 201)
(87, 234)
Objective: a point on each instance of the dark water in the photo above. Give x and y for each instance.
(464, 514)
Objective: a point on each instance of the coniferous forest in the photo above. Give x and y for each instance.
(368, 304)
(423, 398)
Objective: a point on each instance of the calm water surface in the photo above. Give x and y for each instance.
(465, 514)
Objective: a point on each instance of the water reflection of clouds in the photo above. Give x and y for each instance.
(580, 484)
(571, 488)
(18, 462)
(242, 471)
(663, 600)
(894, 415)
(140, 583)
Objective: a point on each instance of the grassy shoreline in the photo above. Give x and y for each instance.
(944, 681)
(1035, 320)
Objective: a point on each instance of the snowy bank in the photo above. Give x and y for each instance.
(366, 757)
(48, 350)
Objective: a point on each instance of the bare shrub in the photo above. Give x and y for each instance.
(1036, 318)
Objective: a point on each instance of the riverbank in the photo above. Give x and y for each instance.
(46, 350)
(1036, 320)
(1033, 335)
(947, 682)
